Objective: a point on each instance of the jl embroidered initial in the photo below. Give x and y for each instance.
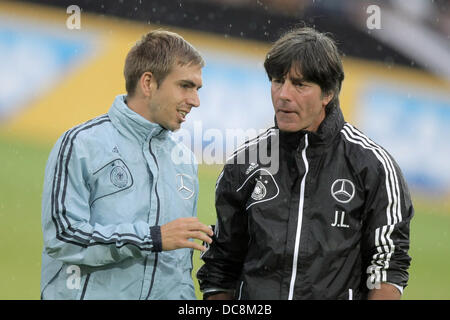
(336, 219)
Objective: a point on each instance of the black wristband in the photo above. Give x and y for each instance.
(155, 233)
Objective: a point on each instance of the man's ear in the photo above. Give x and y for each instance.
(147, 84)
(326, 98)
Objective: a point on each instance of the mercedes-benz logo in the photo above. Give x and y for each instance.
(185, 186)
(343, 190)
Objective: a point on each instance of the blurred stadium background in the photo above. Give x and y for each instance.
(396, 90)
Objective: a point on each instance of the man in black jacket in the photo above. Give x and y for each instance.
(331, 219)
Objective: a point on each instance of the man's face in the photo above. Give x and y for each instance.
(298, 104)
(176, 95)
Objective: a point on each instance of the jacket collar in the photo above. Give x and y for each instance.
(132, 124)
(330, 126)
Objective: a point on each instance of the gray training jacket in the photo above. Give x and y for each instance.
(109, 184)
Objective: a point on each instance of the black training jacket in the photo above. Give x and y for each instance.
(327, 218)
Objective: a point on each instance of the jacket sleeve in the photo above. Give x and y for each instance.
(388, 212)
(225, 256)
(69, 236)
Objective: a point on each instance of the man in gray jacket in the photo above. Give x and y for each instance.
(118, 210)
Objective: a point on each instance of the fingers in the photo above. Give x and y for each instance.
(195, 246)
(200, 236)
(193, 224)
(176, 234)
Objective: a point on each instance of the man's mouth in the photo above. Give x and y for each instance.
(285, 111)
(183, 115)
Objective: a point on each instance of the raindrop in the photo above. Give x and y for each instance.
(389, 61)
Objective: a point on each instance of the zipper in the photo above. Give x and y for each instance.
(350, 294)
(157, 219)
(299, 221)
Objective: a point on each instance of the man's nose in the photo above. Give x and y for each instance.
(285, 91)
(194, 99)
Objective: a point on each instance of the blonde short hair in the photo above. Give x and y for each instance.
(157, 52)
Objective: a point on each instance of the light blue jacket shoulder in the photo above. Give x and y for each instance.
(108, 183)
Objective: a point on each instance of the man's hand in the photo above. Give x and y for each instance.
(176, 234)
(386, 292)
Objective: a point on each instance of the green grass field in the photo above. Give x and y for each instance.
(21, 178)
